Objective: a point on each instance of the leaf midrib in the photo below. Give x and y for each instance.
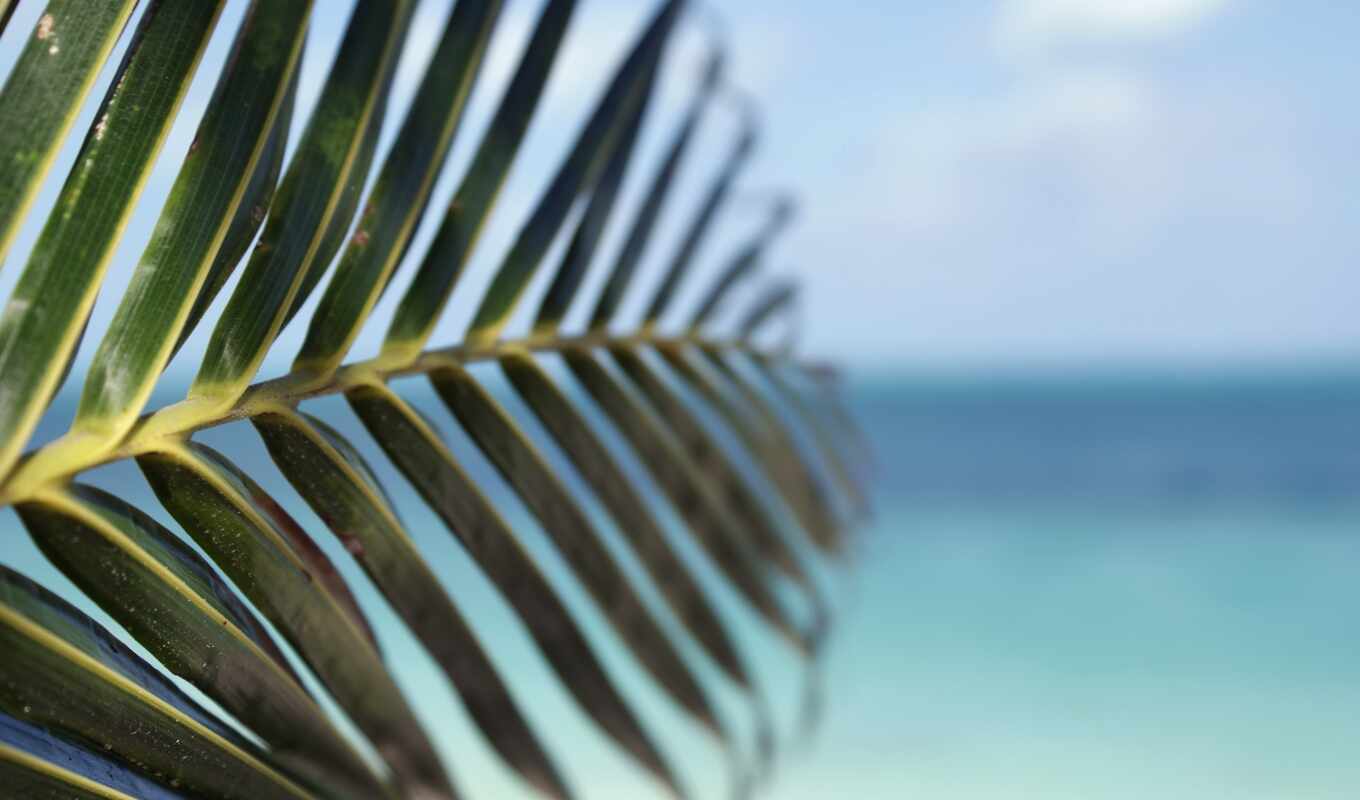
(60, 461)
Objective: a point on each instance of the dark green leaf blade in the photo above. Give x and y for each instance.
(46, 315)
(36, 765)
(566, 524)
(746, 506)
(427, 463)
(172, 602)
(6, 12)
(783, 447)
(403, 187)
(462, 225)
(629, 509)
(639, 526)
(43, 94)
(631, 84)
(250, 215)
(699, 228)
(331, 476)
(742, 265)
(692, 495)
(220, 508)
(231, 145)
(644, 224)
(776, 299)
(314, 205)
(63, 672)
(760, 435)
(590, 229)
(831, 452)
(824, 382)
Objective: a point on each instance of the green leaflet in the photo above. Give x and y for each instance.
(229, 516)
(35, 779)
(776, 299)
(702, 223)
(826, 445)
(591, 227)
(172, 602)
(316, 562)
(566, 524)
(631, 84)
(235, 142)
(426, 462)
(36, 765)
(741, 266)
(314, 205)
(249, 216)
(780, 466)
(823, 380)
(64, 673)
(745, 505)
(6, 11)
(644, 225)
(43, 94)
(334, 480)
(693, 495)
(635, 521)
(403, 187)
(46, 315)
(457, 235)
(814, 492)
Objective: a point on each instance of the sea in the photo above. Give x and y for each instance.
(1071, 587)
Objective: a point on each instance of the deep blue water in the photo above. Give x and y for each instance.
(1072, 588)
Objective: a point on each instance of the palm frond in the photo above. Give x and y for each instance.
(763, 469)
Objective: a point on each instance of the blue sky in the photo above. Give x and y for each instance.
(1005, 184)
(1068, 182)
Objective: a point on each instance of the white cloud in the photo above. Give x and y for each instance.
(1074, 214)
(948, 164)
(1028, 26)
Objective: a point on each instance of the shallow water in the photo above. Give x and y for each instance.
(1117, 589)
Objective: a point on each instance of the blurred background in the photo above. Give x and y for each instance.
(1089, 268)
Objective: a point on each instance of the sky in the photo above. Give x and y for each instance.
(1091, 183)
(1014, 184)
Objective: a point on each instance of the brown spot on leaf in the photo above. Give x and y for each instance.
(45, 27)
(361, 237)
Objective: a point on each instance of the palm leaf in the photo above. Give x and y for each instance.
(46, 316)
(35, 764)
(55, 71)
(417, 450)
(172, 602)
(333, 478)
(64, 673)
(761, 466)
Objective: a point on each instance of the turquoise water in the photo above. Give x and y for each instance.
(1071, 589)
(1123, 589)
